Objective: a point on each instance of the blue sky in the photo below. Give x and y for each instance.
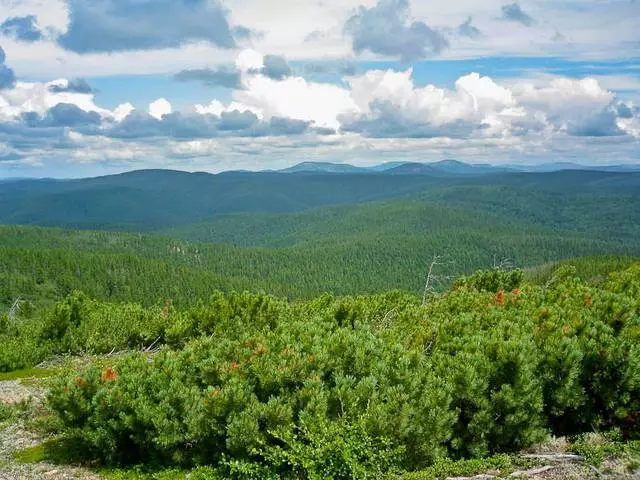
(141, 90)
(92, 87)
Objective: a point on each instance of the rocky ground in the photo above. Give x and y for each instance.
(15, 436)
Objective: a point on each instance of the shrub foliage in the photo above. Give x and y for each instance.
(255, 386)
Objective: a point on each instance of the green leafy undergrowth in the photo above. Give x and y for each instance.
(141, 474)
(597, 448)
(499, 464)
(21, 411)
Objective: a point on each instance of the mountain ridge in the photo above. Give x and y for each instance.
(450, 167)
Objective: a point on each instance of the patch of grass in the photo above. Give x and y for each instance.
(140, 473)
(598, 448)
(136, 474)
(58, 451)
(498, 465)
(30, 455)
(7, 413)
(14, 412)
(29, 373)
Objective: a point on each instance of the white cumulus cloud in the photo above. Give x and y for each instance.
(160, 108)
(376, 116)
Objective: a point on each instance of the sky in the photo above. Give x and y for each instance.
(93, 87)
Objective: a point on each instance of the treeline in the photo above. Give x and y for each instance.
(255, 386)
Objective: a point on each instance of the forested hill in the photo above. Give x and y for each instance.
(151, 199)
(606, 208)
(299, 234)
(43, 265)
(158, 199)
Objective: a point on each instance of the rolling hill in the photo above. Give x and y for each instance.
(345, 250)
(299, 234)
(153, 200)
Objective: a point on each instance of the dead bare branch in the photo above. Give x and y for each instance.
(505, 264)
(432, 278)
(533, 472)
(150, 347)
(13, 311)
(555, 457)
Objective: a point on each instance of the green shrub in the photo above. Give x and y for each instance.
(492, 280)
(261, 393)
(66, 314)
(258, 387)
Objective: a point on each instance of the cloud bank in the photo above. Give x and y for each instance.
(122, 25)
(515, 13)
(282, 116)
(24, 29)
(386, 29)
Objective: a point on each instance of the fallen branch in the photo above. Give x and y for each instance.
(428, 284)
(432, 278)
(555, 457)
(597, 472)
(118, 353)
(477, 477)
(533, 472)
(386, 320)
(149, 348)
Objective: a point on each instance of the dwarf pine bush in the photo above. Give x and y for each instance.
(258, 387)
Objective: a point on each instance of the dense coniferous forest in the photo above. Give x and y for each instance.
(300, 247)
(153, 200)
(284, 325)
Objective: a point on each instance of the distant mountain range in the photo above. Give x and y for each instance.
(446, 167)
(449, 168)
(441, 168)
(324, 167)
(555, 167)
